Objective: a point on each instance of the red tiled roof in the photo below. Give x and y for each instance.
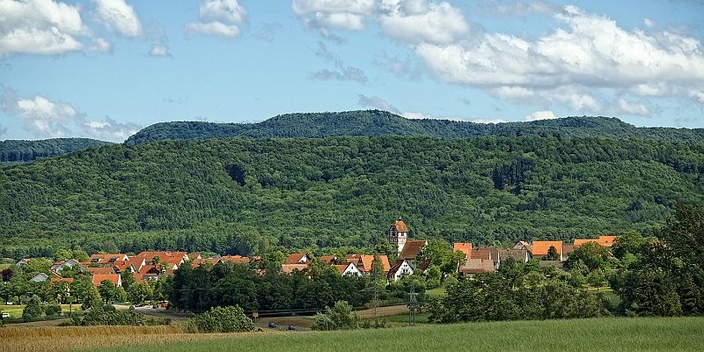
(580, 241)
(483, 253)
(411, 249)
(607, 241)
(328, 259)
(100, 270)
(63, 279)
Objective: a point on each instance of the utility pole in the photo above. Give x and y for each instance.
(412, 307)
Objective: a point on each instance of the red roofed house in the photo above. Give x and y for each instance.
(297, 258)
(464, 247)
(116, 279)
(541, 248)
(290, 268)
(412, 249)
(604, 241)
(365, 262)
(348, 269)
(400, 269)
(237, 259)
(476, 266)
(107, 258)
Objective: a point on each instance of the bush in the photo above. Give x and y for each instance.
(339, 317)
(221, 319)
(52, 308)
(33, 309)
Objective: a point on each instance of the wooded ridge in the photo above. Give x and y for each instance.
(381, 123)
(242, 195)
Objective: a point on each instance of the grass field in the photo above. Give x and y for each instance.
(606, 334)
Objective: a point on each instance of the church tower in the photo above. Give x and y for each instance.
(398, 234)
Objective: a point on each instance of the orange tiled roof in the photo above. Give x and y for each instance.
(341, 267)
(580, 241)
(464, 247)
(542, 247)
(63, 279)
(114, 278)
(100, 270)
(399, 226)
(295, 258)
(328, 259)
(238, 259)
(607, 241)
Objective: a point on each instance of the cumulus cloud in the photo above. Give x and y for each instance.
(159, 51)
(119, 17)
(219, 18)
(376, 103)
(575, 64)
(48, 119)
(416, 21)
(40, 27)
(541, 115)
(334, 14)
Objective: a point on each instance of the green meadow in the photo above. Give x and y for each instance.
(604, 334)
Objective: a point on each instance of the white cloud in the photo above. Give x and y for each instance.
(48, 119)
(541, 115)
(341, 72)
(43, 27)
(338, 14)
(376, 103)
(631, 108)
(489, 121)
(419, 22)
(219, 18)
(576, 65)
(118, 16)
(521, 8)
(159, 51)
(648, 22)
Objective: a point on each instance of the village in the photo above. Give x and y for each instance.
(152, 268)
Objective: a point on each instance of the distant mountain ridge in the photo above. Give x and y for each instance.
(20, 151)
(373, 123)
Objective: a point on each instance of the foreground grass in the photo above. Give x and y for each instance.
(608, 334)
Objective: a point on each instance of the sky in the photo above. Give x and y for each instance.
(104, 69)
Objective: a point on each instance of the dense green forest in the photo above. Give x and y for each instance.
(381, 123)
(246, 195)
(16, 151)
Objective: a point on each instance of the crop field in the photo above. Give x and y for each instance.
(604, 334)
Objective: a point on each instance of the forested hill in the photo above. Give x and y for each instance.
(18, 151)
(382, 123)
(243, 196)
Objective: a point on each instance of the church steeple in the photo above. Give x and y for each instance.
(398, 234)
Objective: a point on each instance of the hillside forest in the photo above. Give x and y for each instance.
(248, 196)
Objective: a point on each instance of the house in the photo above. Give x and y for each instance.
(70, 264)
(329, 259)
(290, 268)
(62, 279)
(102, 270)
(237, 259)
(348, 269)
(400, 269)
(365, 262)
(518, 255)
(297, 258)
(475, 266)
(541, 248)
(171, 259)
(604, 241)
(107, 258)
(200, 261)
(121, 266)
(22, 262)
(464, 247)
(116, 279)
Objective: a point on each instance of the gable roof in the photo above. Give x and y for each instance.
(524, 245)
(541, 247)
(103, 258)
(477, 266)
(237, 259)
(607, 241)
(100, 270)
(328, 259)
(580, 241)
(114, 278)
(464, 247)
(411, 249)
(297, 258)
(290, 268)
(61, 279)
(396, 266)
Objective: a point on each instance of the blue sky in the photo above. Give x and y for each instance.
(106, 68)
